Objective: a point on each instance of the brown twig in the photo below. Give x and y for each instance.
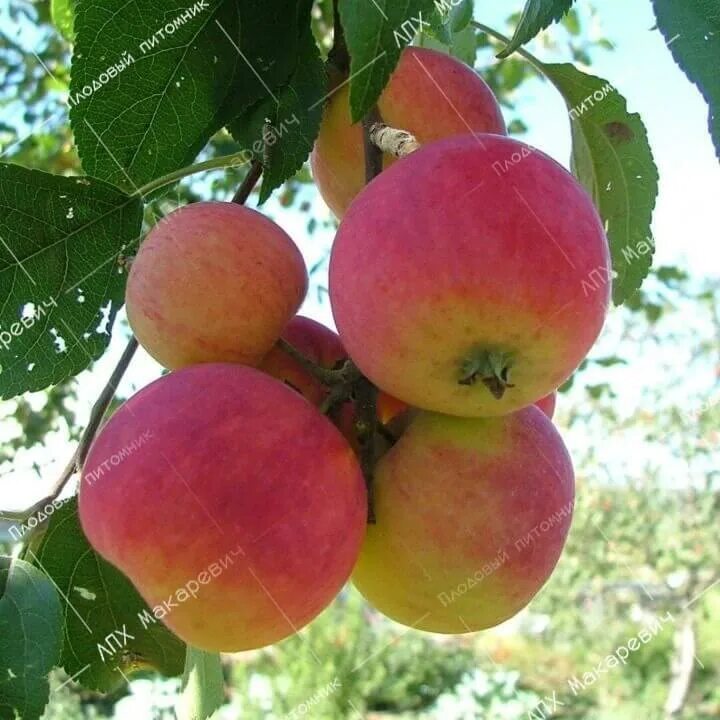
(253, 175)
(108, 392)
(78, 457)
(366, 421)
(373, 154)
(345, 375)
(399, 143)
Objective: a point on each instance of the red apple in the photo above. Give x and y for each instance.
(322, 346)
(430, 94)
(471, 518)
(214, 282)
(235, 508)
(318, 344)
(547, 404)
(459, 277)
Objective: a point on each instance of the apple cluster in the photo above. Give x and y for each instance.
(414, 450)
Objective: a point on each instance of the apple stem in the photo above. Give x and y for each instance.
(348, 383)
(247, 185)
(491, 367)
(366, 424)
(399, 143)
(344, 375)
(337, 395)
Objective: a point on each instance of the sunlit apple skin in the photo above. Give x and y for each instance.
(471, 518)
(430, 94)
(547, 404)
(214, 282)
(459, 259)
(233, 465)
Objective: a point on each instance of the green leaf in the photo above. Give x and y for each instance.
(203, 686)
(180, 71)
(537, 15)
(30, 639)
(461, 15)
(613, 160)
(294, 120)
(572, 22)
(376, 32)
(60, 242)
(109, 630)
(692, 32)
(462, 45)
(63, 17)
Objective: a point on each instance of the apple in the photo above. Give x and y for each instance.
(233, 506)
(430, 94)
(214, 282)
(323, 347)
(318, 344)
(547, 404)
(471, 518)
(476, 295)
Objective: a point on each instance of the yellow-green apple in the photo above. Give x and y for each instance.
(214, 282)
(458, 278)
(471, 518)
(430, 94)
(235, 508)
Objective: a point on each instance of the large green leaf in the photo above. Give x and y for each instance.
(691, 29)
(61, 239)
(180, 71)
(613, 160)
(537, 15)
(294, 113)
(376, 31)
(203, 686)
(109, 630)
(30, 639)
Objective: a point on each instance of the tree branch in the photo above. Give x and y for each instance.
(399, 143)
(253, 175)
(366, 424)
(78, 457)
(373, 154)
(108, 392)
(347, 374)
(366, 421)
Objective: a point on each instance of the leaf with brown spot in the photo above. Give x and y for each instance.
(611, 157)
(619, 132)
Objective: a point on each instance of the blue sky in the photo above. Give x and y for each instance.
(685, 224)
(675, 114)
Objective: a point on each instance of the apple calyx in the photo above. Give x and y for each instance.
(491, 367)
